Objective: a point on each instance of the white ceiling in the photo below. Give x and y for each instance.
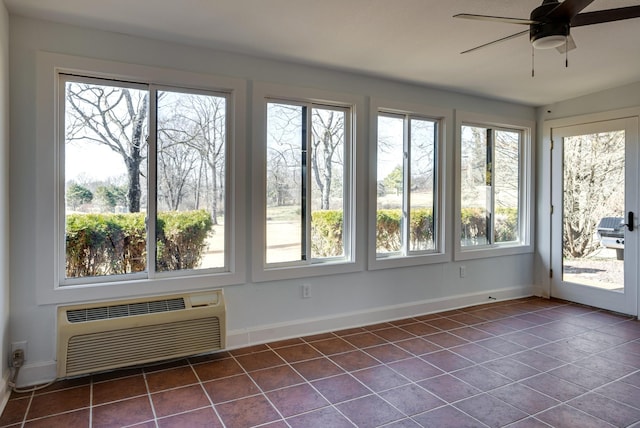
(415, 41)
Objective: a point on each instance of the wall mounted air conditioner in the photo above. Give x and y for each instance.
(107, 335)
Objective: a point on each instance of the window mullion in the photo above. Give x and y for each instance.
(152, 206)
(490, 182)
(406, 182)
(435, 211)
(305, 184)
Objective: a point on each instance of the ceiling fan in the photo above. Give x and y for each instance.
(550, 23)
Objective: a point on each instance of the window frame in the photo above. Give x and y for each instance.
(525, 191)
(50, 180)
(263, 94)
(444, 120)
(152, 90)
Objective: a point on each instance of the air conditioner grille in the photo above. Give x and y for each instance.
(139, 345)
(118, 311)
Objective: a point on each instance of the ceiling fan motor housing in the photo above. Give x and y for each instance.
(547, 33)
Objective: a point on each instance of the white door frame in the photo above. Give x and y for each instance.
(547, 250)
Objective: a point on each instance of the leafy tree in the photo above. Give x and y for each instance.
(394, 180)
(78, 195)
(110, 196)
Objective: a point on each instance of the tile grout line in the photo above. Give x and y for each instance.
(91, 402)
(150, 397)
(206, 393)
(584, 322)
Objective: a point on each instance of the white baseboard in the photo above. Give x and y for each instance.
(304, 327)
(40, 373)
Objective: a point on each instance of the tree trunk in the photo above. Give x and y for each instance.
(135, 194)
(135, 159)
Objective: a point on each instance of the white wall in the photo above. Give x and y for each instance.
(623, 97)
(256, 312)
(4, 201)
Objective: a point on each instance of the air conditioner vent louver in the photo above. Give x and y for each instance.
(97, 337)
(125, 310)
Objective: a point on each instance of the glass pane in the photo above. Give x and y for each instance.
(507, 185)
(475, 185)
(422, 185)
(327, 178)
(105, 167)
(190, 232)
(593, 215)
(390, 192)
(286, 132)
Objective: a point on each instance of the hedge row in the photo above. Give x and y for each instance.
(326, 229)
(112, 244)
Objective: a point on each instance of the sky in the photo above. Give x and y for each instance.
(92, 161)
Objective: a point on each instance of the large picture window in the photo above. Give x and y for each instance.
(145, 180)
(494, 188)
(303, 177)
(407, 219)
(406, 185)
(489, 185)
(305, 182)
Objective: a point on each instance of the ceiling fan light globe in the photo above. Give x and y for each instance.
(549, 42)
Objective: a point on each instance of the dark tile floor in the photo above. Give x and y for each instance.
(523, 363)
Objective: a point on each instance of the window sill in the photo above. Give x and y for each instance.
(407, 261)
(135, 288)
(491, 251)
(292, 272)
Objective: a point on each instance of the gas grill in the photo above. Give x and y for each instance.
(611, 234)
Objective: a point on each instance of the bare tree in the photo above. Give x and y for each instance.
(593, 179)
(328, 146)
(176, 165)
(194, 132)
(115, 117)
(284, 153)
(208, 122)
(506, 168)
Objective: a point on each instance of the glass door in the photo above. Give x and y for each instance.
(595, 214)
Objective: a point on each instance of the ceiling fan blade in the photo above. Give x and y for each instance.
(568, 46)
(513, 36)
(568, 9)
(495, 19)
(607, 15)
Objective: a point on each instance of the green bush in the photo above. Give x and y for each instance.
(326, 233)
(181, 239)
(474, 225)
(506, 224)
(113, 244)
(389, 229)
(327, 227)
(421, 229)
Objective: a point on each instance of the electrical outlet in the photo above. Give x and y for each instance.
(306, 291)
(463, 271)
(17, 359)
(19, 345)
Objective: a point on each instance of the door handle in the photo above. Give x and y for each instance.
(629, 223)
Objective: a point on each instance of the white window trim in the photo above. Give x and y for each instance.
(48, 182)
(526, 193)
(262, 93)
(444, 117)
